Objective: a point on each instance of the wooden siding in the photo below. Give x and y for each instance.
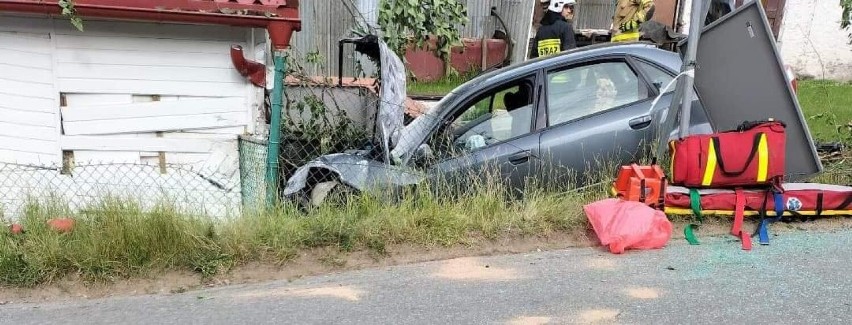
(28, 119)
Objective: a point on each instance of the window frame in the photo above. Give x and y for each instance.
(544, 108)
(532, 78)
(672, 74)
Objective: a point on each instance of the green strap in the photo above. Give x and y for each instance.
(689, 234)
(695, 204)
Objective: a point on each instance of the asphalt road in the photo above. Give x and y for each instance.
(801, 278)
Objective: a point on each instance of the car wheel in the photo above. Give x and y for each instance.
(331, 192)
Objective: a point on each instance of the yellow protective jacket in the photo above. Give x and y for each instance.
(629, 14)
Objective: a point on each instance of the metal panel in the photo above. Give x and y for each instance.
(518, 15)
(594, 14)
(740, 77)
(323, 24)
(478, 13)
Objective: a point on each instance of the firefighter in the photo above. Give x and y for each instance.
(629, 14)
(555, 33)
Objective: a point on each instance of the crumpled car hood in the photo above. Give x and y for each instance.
(354, 170)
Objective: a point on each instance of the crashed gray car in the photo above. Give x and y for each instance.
(564, 116)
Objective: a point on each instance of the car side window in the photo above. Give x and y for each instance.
(499, 115)
(656, 76)
(589, 89)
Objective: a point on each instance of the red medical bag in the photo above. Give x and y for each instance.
(751, 155)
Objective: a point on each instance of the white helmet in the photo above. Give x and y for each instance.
(557, 5)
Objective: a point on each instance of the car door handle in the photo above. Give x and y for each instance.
(640, 122)
(519, 157)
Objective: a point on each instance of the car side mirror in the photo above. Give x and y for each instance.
(658, 85)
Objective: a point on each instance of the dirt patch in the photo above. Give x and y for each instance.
(598, 315)
(529, 320)
(340, 292)
(73, 287)
(472, 269)
(601, 264)
(643, 293)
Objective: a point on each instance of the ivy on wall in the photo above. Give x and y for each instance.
(68, 11)
(414, 22)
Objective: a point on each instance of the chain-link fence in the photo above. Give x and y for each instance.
(253, 153)
(213, 192)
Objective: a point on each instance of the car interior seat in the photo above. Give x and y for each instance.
(519, 110)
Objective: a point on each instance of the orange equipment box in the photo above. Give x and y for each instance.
(646, 184)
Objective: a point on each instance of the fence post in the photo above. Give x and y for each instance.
(274, 145)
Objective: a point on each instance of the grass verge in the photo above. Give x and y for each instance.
(827, 105)
(115, 239)
(438, 87)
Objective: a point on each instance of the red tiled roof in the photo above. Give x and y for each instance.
(280, 17)
(262, 8)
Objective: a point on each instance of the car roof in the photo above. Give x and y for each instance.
(670, 60)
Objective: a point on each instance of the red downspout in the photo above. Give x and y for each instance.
(256, 72)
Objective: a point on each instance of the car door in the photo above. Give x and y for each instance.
(597, 117)
(489, 138)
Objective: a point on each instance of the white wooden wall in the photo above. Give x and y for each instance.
(124, 92)
(29, 115)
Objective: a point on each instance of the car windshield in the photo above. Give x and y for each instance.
(414, 133)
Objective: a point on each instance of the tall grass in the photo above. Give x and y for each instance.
(115, 238)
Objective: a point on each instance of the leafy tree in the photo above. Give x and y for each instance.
(404, 22)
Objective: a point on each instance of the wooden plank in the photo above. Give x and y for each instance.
(26, 74)
(29, 145)
(145, 44)
(34, 118)
(117, 143)
(97, 99)
(11, 87)
(159, 73)
(184, 88)
(26, 59)
(29, 42)
(21, 157)
(90, 156)
(153, 124)
(47, 133)
(23, 103)
(147, 58)
(16, 23)
(197, 160)
(152, 109)
(229, 132)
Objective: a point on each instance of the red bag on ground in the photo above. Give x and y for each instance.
(749, 156)
(623, 225)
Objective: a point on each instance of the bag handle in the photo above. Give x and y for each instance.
(719, 160)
